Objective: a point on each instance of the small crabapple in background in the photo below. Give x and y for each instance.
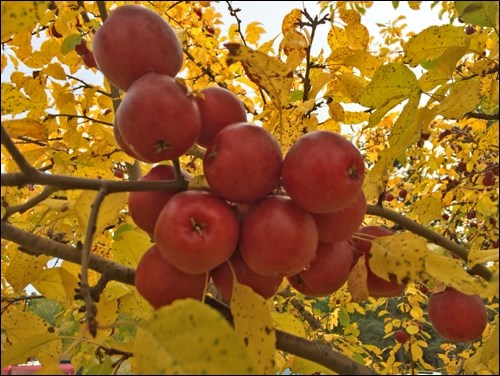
(401, 336)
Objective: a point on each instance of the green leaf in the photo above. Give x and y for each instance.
(432, 42)
(254, 326)
(481, 13)
(70, 42)
(189, 337)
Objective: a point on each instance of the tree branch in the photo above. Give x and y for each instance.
(23, 164)
(430, 235)
(46, 193)
(315, 351)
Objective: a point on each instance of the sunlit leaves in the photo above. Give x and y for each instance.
(214, 348)
(266, 72)
(393, 81)
(57, 284)
(401, 255)
(29, 128)
(108, 211)
(21, 15)
(432, 42)
(464, 97)
(254, 326)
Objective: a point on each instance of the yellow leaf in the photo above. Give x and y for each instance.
(391, 81)
(20, 325)
(357, 36)
(29, 128)
(270, 74)
(451, 272)
(489, 93)
(130, 247)
(45, 347)
(464, 97)
(416, 351)
(23, 269)
(294, 41)
(254, 326)
(400, 255)
(301, 366)
(490, 350)
(57, 284)
(21, 15)
(55, 70)
(427, 209)
(106, 317)
(350, 16)
(287, 322)
(336, 111)
(109, 210)
(364, 61)
(432, 42)
(291, 20)
(479, 256)
(412, 329)
(253, 32)
(356, 282)
(443, 69)
(13, 101)
(189, 337)
(337, 38)
(377, 177)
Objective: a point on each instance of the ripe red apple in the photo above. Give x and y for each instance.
(340, 225)
(123, 145)
(323, 172)
(488, 178)
(133, 41)
(145, 206)
(401, 336)
(219, 108)
(377, 286)
(243, 163)
(277, 238)
(89, 60)
(457, 316)
(266, 286)
(157, 119)
(403, 193)
(160, 283)
(327, 272)
(196, 231)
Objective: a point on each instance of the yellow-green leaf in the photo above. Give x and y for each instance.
(57, 284)
(391, 81)
(270, 74)
(451, 272)
(356, 283)
(130, 247)
(479, 256)
(481, 13)
(432, 42)
(427, 209)
(108, 211)
(400, 255)
(20, 325)
(443, 69)
(189, 337)
(287, 322)
(46, 347)
(29, 128)
(464, 97)
(254, 326)
(21, 15)
(23, 269)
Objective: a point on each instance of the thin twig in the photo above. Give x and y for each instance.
(91, 309)
(23, 164)
(81, 117)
